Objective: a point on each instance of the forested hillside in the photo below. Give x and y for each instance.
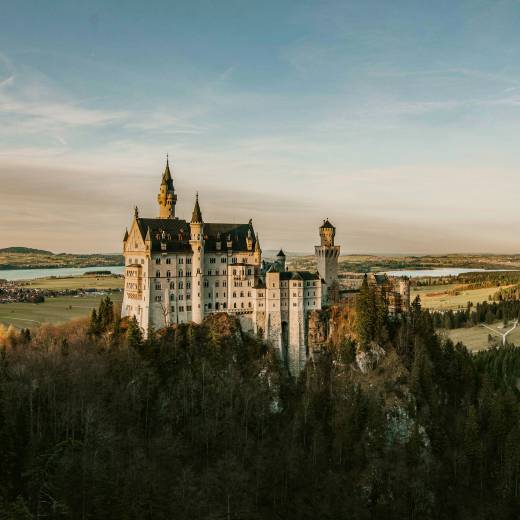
(202, 422)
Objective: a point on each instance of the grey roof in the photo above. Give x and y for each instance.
(299, 275)
(281, 253)
(175, 233)
(237, 233)
(327, 224)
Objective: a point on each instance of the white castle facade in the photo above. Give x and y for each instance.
(178, 271)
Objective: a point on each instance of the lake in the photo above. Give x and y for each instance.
(28, 274)
(444, 271)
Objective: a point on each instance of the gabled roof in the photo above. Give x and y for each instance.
(299, 275)
(281, 253)
(175, 233)
(237, 233)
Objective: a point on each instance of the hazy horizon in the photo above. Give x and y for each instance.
(395, 120)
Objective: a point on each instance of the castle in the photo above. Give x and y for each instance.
(178, 271)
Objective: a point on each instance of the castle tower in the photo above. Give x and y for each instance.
(280, 260)
(327, 257)
(167, 197)
(197, 263)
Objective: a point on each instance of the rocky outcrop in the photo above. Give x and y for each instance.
(369, 359)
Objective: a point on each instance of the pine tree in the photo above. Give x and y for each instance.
(134, 334)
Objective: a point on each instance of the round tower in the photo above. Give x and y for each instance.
(197, 263)
(167, 197)
(327, 255)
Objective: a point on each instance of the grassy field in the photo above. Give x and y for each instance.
(53, 310)
(476, 338)
(436, 297)
(42, 259)
(78, 282)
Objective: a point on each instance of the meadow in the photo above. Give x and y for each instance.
(54, 310)
(101, 283)
(443, 297)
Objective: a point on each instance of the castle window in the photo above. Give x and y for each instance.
(234, 272)
(212, 260)
(181, 308)
(181, 260)
(188, 296)
(224, 305)
(180, 273)
(157, 286)
(234, 305)
(216, 272)
(168, 260)
(224, 283)
(180, 285)
(234, 260)
(249, 304)
(209, 305)
(142, 260)
(223, 260)
(188, 285)
(188, 260)
(172, 285)
(249, 271)
(180, 297)
(216, 283)
(216, 295)
(242, 305)
(294, 304)
(249, 294)
(206, 284)
(157, 260)
(172, 308)
(158, 298)
(241, 294)
(172, 296)
(157, 274)
(216, 306)
(168, 274)
(188, 308)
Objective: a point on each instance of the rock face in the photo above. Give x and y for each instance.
(331, 325)
(369, 359)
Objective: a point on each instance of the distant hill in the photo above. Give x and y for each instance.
(31, 258)
(25, 250)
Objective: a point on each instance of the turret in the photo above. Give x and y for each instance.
(258, 251)
(327, 233)
(197, 263)
(167, 197)
(280, 259)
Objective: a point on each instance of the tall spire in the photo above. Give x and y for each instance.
(196, 216)
(167, 176)
(167, 197)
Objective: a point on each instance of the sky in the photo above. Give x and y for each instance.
(399, 121)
